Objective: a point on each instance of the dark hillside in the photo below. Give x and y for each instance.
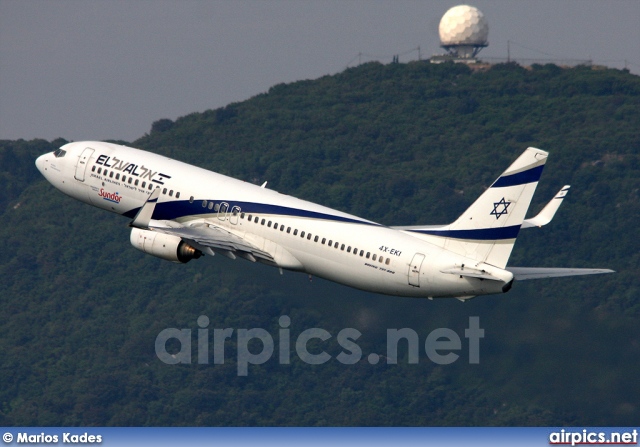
(400, 144)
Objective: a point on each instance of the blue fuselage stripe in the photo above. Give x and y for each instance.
(181, 208)
(482, 234)
(521, 178)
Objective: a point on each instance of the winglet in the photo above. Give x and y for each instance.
(547, 213)
(145, 213)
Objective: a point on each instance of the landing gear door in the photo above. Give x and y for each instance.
(414, 269)
(83, 161)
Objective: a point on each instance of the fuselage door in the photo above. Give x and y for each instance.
(83, 161)
(235, 212)
(414, 269)
(222, 212)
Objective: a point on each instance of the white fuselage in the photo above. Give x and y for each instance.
(343, 248)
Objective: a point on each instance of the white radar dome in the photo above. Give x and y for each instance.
(464, 25)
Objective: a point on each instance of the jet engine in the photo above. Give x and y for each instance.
(165, 246)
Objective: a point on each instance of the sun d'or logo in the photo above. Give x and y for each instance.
(110, 196)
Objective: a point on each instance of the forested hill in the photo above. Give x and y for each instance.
(387, 141)
(400, 144)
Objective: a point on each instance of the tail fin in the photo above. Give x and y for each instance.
(487, 230)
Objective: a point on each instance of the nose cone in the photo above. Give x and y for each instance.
(40, 162)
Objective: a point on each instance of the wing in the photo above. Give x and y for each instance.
(211, 239)
(201, 234)
(144, 214)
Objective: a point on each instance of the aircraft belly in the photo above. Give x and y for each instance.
(357, 274)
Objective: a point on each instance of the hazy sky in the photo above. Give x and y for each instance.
(107, 69)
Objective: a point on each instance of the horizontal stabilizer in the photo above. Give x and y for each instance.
(523, 273)
(547, 213)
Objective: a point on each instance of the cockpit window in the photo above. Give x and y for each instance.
(59, 153)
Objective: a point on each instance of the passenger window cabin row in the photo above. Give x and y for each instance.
(322, 240)
(132, 181)
(303, 234)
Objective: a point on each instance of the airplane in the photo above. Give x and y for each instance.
(180, 212)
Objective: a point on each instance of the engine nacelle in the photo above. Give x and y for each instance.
(165, 246)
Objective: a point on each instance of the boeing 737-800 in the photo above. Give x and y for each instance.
(179, 212)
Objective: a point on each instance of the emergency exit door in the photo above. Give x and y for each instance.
(83, 161)
(414, 269)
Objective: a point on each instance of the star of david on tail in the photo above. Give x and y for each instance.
(495, 211)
